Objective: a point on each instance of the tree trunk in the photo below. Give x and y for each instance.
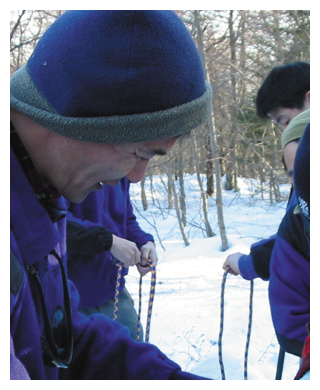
(231, 177)
(168, 188)
(209, 168)
(203, 193)
(151, 188)
(182, 194)
(213, 143)
(176, 205)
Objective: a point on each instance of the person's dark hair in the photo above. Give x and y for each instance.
(285, 86)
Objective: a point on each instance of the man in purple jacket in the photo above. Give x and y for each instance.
(103, 92)
(101, 230)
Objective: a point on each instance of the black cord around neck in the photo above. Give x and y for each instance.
(49, 347)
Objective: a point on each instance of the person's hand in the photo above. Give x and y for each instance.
(232, 263)
(125, 251)
(148, 257)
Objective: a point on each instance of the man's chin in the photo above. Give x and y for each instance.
(79, 196)
(111, 182)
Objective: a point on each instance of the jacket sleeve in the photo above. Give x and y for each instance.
(261, 254)
(134, 232)
(257, 263)
(86, 237)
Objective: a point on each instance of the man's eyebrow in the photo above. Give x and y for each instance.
(153, 152)
(159, 152)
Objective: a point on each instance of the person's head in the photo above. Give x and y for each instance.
(285, 93)
(103, 92)
(290, 140)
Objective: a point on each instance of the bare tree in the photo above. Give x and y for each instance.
(180, 174)
(213, 142)
(202, 192)
(176, 205)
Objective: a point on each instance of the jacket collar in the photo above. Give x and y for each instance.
(32, 227)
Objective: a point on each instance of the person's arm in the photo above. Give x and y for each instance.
(144, 241)
(89, 240)
(95, 240)
(261, 255)
(254, 265)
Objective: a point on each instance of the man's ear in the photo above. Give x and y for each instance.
(308, 97)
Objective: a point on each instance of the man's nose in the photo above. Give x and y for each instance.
(137, 172)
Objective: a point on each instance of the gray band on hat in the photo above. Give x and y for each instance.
(25, 97)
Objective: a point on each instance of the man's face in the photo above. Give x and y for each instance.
(108, 163)
(75, 168)
(282, 116)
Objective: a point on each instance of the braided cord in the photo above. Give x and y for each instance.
(221, 328)
(223, 284)
(249, 332)
(116, 296)
(151, 299)
(139, 312)
(150, 304)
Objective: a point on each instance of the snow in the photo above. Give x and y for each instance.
(186, 312)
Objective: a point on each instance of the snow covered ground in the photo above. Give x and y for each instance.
(186, 313)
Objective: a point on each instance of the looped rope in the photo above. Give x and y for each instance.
(221, 328)
(150, 304)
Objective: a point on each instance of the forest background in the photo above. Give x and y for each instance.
(238, 49)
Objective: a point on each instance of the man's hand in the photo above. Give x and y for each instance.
(232, 263)
(125, 251)
(148, 257)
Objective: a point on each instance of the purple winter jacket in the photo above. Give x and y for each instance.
(284, 260)
(90, 264)
(102, 348)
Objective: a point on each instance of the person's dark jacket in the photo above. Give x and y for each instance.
(289, 285)
(257, 263)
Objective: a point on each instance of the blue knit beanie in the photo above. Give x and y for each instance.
(301, 175)
(114, 77)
